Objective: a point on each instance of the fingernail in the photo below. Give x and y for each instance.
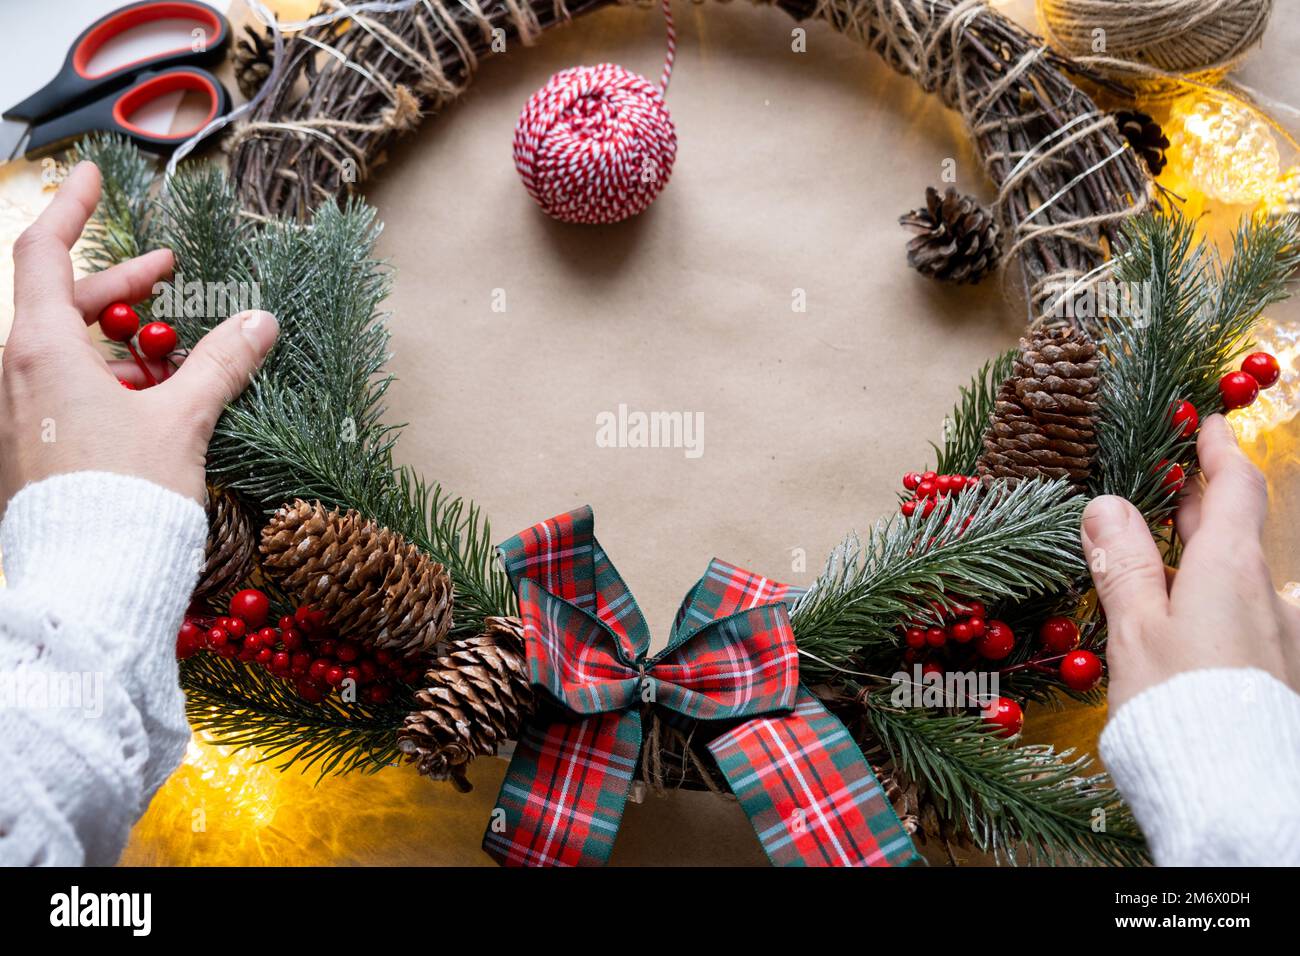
(1104, 516)
(1221, 423)
(260, 328)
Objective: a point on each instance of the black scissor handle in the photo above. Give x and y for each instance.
(114, 112)
(75, 85)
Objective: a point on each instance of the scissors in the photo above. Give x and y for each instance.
(78, 101)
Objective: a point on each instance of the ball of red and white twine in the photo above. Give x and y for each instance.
(596, 143)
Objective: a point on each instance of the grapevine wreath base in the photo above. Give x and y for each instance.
(368, 620)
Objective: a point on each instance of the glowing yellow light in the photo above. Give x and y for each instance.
(1283, 199)
(1279, 404)
(1223, 148)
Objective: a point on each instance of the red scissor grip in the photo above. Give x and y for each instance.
(118, 23)
(154, 87)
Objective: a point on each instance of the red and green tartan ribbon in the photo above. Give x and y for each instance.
(731, 662)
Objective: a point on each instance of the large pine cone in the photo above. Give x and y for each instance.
(958, 238)
(476, 697)
(232, 539)
(1044, 418)
(371, 582)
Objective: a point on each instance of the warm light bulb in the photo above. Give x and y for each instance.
(1223, 148)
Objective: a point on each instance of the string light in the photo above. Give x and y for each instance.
(1223, 147)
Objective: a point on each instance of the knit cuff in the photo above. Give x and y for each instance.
(115, 551)
(1201, 755)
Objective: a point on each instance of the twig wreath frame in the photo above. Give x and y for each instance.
(1069, 191)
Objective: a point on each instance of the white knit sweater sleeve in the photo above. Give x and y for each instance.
(1209, 760)
(99, 568)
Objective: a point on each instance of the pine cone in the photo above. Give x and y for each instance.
(958, 238)
(1145, 136)
(252, 58)
(1044, 418)
(371, 582)
(232, 539)
(476, 698)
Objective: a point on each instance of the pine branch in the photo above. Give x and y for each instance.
(1199, 320)
(964, 429)
(1023, 804)
(123, 225)
(1018, 543)
(244, 706)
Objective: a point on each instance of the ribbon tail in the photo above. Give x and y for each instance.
(565, 791)
(809, 792)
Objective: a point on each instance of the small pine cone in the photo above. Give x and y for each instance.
(476, 697)
(252, 58)
(232, 539)
(957, 239)
(1145, 136)
(371, 582)
(1044, 416)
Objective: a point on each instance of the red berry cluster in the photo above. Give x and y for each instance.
(120, 323)
(966, 625)
(300, 649)
(1258, 370)
(930, 486)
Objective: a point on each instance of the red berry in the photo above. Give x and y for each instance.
(328, 647)
(379, 693)
(929, 506)
(157, 339)
(287, 622)
(353, 674)
(292, 638)
(975, 608)
(929, 475)
(348, 651)
(251, 606)
(236, 628)
(976, 625)
(268, 636)
(264, 656)
(1174, 478)
(1059, 634)
(280, 661)
(254, 642)
(996, 642)
(1238, 389)
(1262, 367)
(228, 650)
(915, 637)
(961, 633)
(927, 488)
(943, 484)
(300, 662)
(1081, 670)
(368, 671)
(334, 676)
(189, 640)
(318, 668)
(932, 668)
(1184, 416)
(911, 480)
(217, 637)
(118, 322)
(1006, 714)
(309, 619)
(936, 637)
(309, 691)
(908, 508)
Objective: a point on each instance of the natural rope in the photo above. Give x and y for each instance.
(1201, 38)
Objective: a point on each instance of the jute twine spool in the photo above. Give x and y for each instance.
(1198, 39)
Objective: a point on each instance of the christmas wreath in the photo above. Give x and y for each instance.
(351, 614)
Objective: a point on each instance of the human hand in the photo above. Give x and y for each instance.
(1220, 609)
(62, 408)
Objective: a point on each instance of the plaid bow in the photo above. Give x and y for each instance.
(731, 661)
